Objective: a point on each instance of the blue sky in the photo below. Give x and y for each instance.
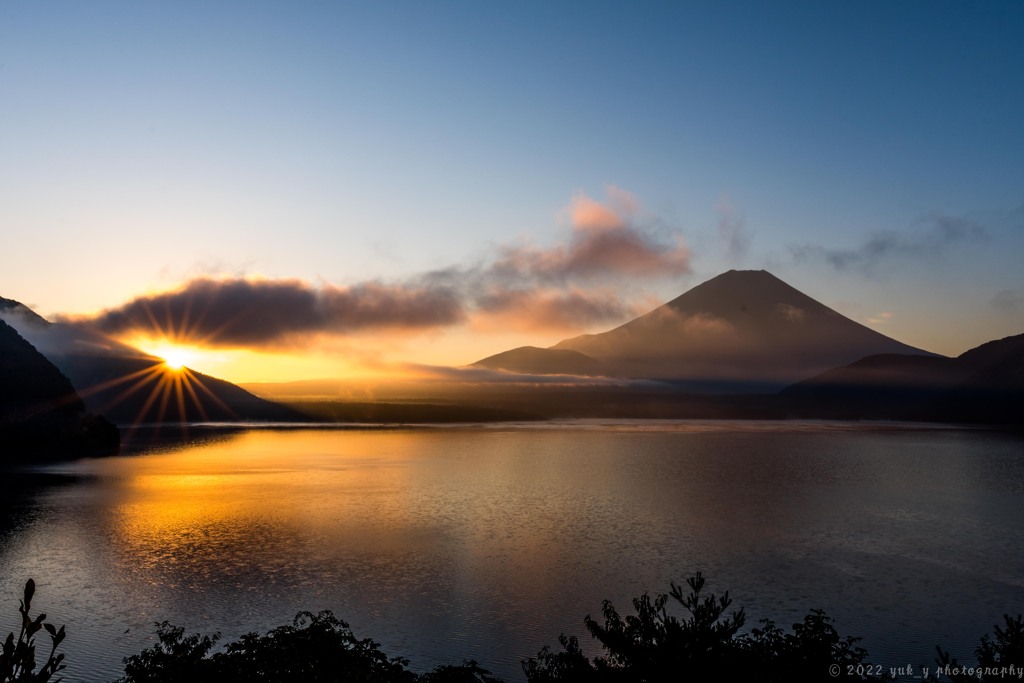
(869, 153)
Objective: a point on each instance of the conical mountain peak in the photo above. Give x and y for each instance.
(743, 328)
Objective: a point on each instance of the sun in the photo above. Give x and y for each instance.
(174, 357)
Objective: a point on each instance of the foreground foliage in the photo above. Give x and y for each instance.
(1000, 660)
(313, 648)
(654, 645)
(702, 643)
(18, 658)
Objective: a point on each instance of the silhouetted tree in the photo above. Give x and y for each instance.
(706, 645)
(313, 648)
(998, 660)
(651, 645)
(18, 658)
(467, 672)
(814, 651)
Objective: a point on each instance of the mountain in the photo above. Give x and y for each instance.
(12, 307)
(882, 387)
(133, 390)
(131, 387)
(994, 391)
(740, 331)
(982, 385)
(536, 361)
(40, 410)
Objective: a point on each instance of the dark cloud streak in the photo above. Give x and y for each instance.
(732, 229)
(881, 247)
(244, 312)
(1008, 301)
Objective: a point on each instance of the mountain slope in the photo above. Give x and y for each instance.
(741, 329)
(128, 386)
(982, 385)
(39, 409)
(994, 391)
(532, 360)
(143, 390)
(886, 386)
(12, 307)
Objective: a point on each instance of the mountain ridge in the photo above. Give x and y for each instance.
(128, 386)
(40, 412)
(984, 384)
(741, 329)
(540, 361)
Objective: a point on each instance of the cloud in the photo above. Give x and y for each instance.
(732, 229)
(791, 313)
(606, 240)
(1008, 301)
(255, 312)
(941, 231)
(474, 374)
(522, 287)
(880, 319)
(551, 309)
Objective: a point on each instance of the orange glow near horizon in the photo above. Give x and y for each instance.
(357, 359)
(241, 365)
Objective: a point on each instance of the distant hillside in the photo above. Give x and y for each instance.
(982, 385)
(994, 391)
(143, 390)
(40, 412)
(532, 360)
(128, 386)
(740, 331)
(10, 306)
(886, 386)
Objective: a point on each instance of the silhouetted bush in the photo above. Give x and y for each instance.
(654, 645)
(705, 644)
(18, 658)
(467, 672)
(998, 660)
(314, 648)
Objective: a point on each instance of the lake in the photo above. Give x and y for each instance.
(487, 542)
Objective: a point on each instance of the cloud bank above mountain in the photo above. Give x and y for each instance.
(565, 287)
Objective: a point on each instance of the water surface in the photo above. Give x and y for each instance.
(488, 542)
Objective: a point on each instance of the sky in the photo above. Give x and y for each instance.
(301, 190)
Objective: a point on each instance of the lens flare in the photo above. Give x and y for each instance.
(174, 357)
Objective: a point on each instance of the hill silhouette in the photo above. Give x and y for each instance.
(129, 386)
(982, 385)
(740, 331)
(537, 361)
(40, 412)
(994, 391)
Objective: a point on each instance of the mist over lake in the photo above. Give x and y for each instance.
(451, 543)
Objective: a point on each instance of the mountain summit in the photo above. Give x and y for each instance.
(742, 330)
